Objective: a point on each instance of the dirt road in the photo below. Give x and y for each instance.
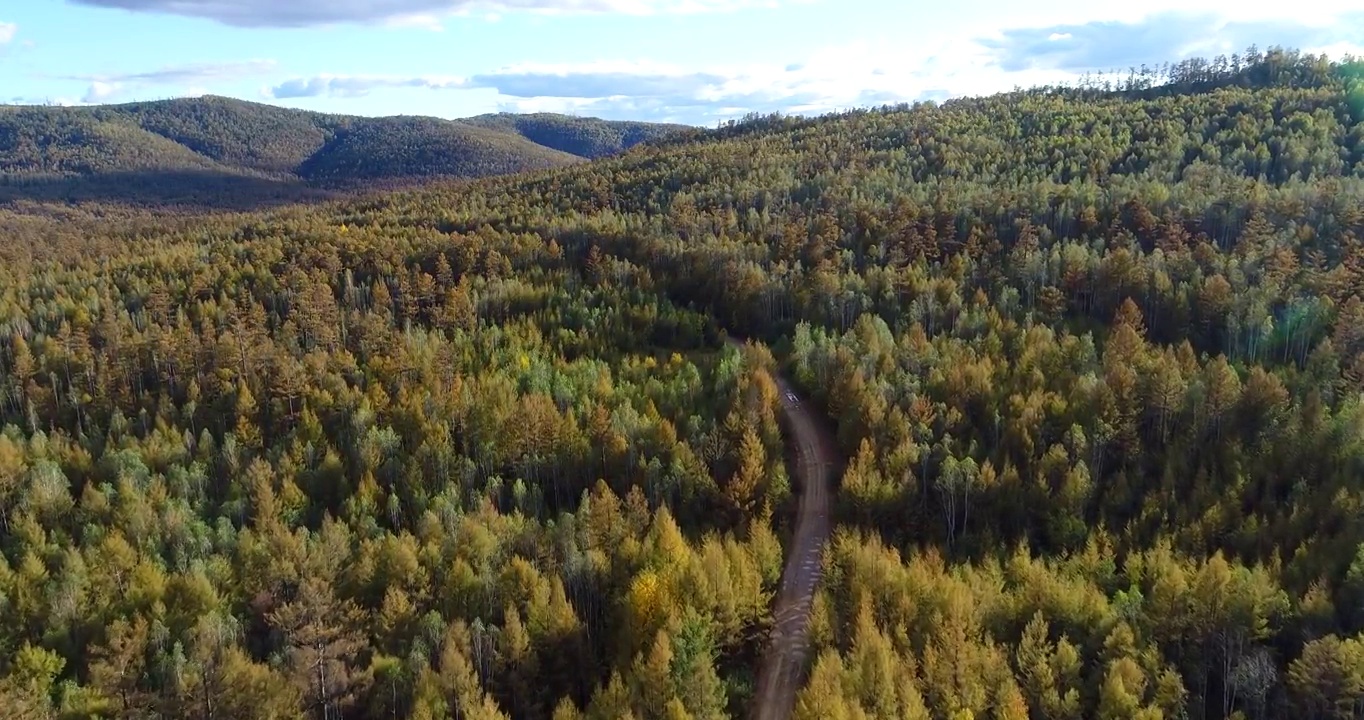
(817, 459)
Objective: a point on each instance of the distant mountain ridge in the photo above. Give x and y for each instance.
(224, 139)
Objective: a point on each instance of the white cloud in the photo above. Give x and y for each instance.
(44, 101)
(423, 21)
(304, 13)
(1338, 50)
(991, 16)
(853, 75)
(183, 74)
(107, 87)
(1168, 36)
(871, 72)
(357, 85)
(100, 91)
(867, 71)
(7, 32)
(601, 79)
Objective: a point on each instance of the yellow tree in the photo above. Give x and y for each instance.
(742, 489)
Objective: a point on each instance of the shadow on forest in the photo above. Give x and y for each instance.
(188, 189)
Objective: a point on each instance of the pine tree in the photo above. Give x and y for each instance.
(324, 648)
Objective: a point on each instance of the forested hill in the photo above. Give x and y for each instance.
(584, 137)
(1096, 356)
(214, 137)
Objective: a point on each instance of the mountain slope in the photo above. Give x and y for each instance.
(36, 141)
(1095, 359)
(236, 133)
(419, 146)
(584, 137)
(223, 137)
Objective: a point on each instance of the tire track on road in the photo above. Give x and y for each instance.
(783, 663)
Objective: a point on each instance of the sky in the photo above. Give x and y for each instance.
(693, 61)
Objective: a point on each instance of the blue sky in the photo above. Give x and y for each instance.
(695, 61)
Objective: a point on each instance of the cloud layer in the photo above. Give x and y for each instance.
(836, 77)
(304, 13)
(353, 86)
(641, 90)
(638, 80)
(1103, 46)
(7, 32)
(108, 87)
(183, 74)
(854, 74)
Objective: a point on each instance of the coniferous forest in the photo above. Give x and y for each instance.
(1093, 357)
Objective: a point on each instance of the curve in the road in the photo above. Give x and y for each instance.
(816, 460)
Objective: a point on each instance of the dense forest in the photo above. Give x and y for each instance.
(1094, 354)
(196, 148)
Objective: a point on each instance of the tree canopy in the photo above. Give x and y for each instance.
(1094, 355)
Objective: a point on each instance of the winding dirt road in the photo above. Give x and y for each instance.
(816, 460)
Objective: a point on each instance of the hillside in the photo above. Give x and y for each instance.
(1095, 357)
(237, 134)
(41, 141)
(425, 147)
(218, 141)
(584, 137)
